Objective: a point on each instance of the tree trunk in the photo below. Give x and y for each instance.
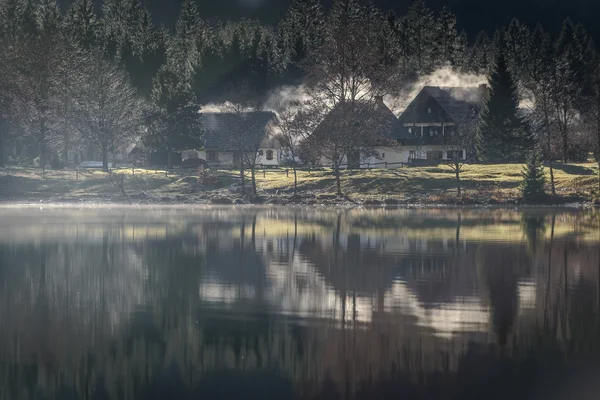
(65, 150)
(253, 170)
(338, 183)
(295, 178)
(458, 183)
(42, 155)
(105, 158)
(565, 147)
(549, 155)
(243, 177)
(598, 144)
(2, 164)
(169, 158)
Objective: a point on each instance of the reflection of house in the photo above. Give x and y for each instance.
(435, 113)
(227, 134)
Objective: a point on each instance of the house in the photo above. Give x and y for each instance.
(420, 134)
(361, 126)
(435, 113)
(229, 135)
(421, 130)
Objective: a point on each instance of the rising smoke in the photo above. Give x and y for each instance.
(444, 77)
(281, 97)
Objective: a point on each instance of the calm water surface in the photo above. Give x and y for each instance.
(278, 303)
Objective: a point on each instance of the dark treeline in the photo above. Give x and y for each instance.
(84, 83)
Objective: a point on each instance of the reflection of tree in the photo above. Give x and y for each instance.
(502, 271)
(129, 317)
(534, 228)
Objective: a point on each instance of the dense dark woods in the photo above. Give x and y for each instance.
(152, 80)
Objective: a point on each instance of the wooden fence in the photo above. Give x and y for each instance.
(222, 171)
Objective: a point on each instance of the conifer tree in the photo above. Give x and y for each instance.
(534, 179)
(515, 40)
(481, 55)
(82, 25)
(421, 36)
(502, 132)
(40, 62)
(446, 38)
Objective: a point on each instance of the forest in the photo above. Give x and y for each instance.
(81, 82)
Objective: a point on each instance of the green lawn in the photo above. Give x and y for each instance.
(429, 184)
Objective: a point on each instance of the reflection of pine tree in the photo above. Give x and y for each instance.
(534, 227)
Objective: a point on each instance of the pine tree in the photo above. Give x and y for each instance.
(421, 37)
(516, 37)
(481, 54)
(304, 27)
(502, 132)
(175, 120)
(534, 179)
(40, 63)
(183, 53)
(446, 38)
(82, 25)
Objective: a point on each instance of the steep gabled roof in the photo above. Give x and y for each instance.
(220, 129)
(379, 119)
(456, 102)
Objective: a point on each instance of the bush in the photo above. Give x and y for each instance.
(534, 180)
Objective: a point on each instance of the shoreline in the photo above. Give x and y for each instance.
(306, 200)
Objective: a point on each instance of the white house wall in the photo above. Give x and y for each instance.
(226, 158)
(394, 157)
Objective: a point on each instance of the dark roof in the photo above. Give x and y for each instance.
(378, 117)
(456, 102)
(400, 132)
(221, 129)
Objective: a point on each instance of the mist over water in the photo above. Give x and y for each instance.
(299, 303)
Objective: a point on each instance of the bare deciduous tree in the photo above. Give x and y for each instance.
(565, 94)
(248, 129)
(107, 110)
(345, 76)
(459, 145)
(539, 84)
(294, 125)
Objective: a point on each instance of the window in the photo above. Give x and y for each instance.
(260, 153)
(455, 155)
(269, 155)
(382, 155)
(212, 156)
(412, 155)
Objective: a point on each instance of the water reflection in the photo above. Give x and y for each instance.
(308, 303)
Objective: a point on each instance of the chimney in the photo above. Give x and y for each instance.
(379, 99)
(484, 90)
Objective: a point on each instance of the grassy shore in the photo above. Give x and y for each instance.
(482, 184)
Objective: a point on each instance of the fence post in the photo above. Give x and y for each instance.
(386, 165)
(264, 173)
(76, 174)
(132, 171)
(287, 173)
(43, 173)
(167, 171)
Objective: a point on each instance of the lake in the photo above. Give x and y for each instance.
(303, 303)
